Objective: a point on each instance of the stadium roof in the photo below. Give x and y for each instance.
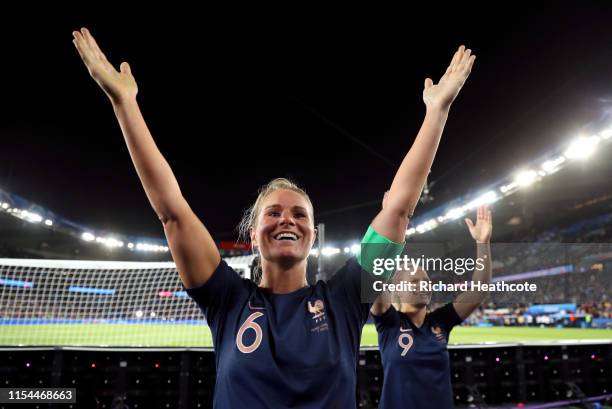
(239, 102)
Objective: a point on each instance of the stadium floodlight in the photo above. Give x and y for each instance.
(552, 165)
(130, 245)
(507, 188)
(427, 226)
(30, 216)
(88, 236)
(526, 177)
(314, 252)
(582, 147)
(606, 133)
(483, 199)
(455, 213)
(109, 242)
(355, 248)
(5, 205)
(146, 247)
(347, 250)
(330, 251)
(410, 231)
(139, 314)
(49, 222)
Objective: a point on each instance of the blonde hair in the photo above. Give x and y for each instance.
(249, 219)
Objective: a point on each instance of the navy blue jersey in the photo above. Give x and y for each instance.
(296, 350)
(415, 360)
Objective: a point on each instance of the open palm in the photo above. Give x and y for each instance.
(443, 93)
(482, 230)
(118, 85)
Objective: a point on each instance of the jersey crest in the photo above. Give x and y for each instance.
(319, 319)
(437, 331)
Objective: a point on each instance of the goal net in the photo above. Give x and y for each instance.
(100, 303)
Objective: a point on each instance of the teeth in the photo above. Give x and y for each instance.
(290, 236)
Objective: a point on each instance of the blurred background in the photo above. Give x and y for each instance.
(89, 296)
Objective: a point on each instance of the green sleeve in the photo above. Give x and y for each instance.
(374, 246)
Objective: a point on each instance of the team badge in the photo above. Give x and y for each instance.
(317, 309)
(437, 331)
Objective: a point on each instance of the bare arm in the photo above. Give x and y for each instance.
(382, 304)
(379, 308)
(193, 249)
(411, 176)
(468, 301)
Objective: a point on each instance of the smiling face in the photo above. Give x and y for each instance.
(418, 298)
(284, 229)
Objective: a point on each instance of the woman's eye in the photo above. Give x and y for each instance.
(274, 214)
(300, 215)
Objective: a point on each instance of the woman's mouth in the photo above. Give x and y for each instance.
(286, 236)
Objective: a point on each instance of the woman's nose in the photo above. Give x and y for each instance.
(287, 218)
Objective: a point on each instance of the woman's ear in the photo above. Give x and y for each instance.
(253, 237)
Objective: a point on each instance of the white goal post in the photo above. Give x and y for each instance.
(99, 303)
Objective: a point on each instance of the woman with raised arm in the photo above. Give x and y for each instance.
(282, 343)
(412, 340)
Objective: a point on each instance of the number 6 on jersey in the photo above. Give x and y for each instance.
(249, 323)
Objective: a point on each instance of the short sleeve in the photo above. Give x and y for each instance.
(446, 316)
(345, 285)
(386, 320)
(217, 293)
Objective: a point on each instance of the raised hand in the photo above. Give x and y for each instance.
(481, 232)
(442, 94)
(118, 85)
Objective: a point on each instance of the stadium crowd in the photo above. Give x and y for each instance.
(583, 245)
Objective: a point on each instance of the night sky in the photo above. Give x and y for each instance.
(235, 98)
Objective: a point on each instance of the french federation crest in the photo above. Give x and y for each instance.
(317, 309)
(437, 331)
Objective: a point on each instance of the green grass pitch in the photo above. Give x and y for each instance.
(199, 336)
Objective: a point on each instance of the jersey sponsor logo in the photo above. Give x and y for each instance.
(405, 341)
(252, 325)
(402, 329)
